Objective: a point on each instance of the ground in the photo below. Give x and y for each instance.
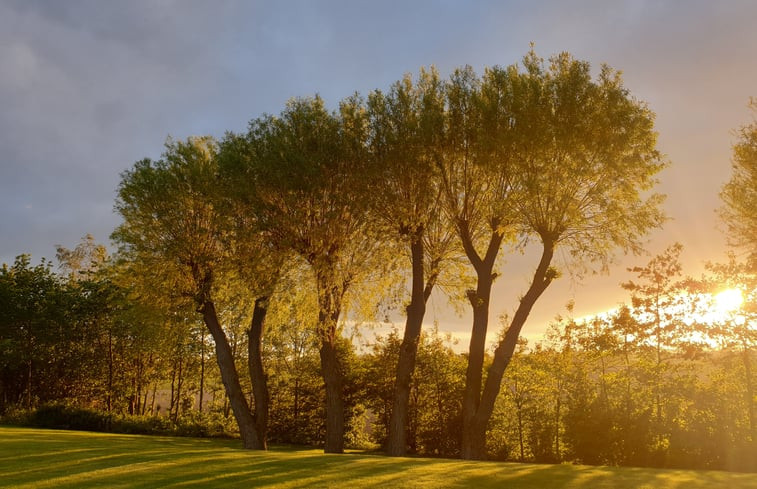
(35, 458)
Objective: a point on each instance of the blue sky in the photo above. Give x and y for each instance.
(89, 87)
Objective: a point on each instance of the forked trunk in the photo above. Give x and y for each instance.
(479, 300)
(230, 379)
(474, 437)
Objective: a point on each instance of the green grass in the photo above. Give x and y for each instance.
(34, 458)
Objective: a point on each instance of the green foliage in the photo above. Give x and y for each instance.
(60, 416)
(436, 390)
(309, 209)
(67, 417)
(739, 194)
(608, 391)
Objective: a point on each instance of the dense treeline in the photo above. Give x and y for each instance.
(595, 391)
(242, 261)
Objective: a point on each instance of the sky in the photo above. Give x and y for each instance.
(87, 88)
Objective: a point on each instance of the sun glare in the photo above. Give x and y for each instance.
(728, 300)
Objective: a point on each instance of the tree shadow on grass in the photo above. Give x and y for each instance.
(55, 459)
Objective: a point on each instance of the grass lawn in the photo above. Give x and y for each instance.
(34, 458)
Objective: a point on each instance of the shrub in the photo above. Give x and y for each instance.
(60, 416)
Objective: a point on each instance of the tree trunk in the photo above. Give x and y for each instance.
(257, 374)
(29, 384)
(473, 375)
(179, 383)
(173, 389)
(152, 402)
(296, 409)
(202, 370)
(332, 378)
(109, 395)
(230, 379)
(474, 444)
(479, 300)
(144, 400)
(329, 308)
(397, 435)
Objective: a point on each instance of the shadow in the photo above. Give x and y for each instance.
(58, 459)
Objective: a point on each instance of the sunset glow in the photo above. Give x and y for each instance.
(728, 301)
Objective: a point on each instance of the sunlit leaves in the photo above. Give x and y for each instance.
(739, 194)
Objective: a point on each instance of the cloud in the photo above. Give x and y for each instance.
(89, 87)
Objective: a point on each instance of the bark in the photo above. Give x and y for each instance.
(173, 389)
(29, 384)
(479, 300)
(144, 400)
(230, 378)
(329, 299)
(474, 444)
(397, 435)
(202, 370)
(257, 374)
(332, 378)
(152, 402)
(179, 383)
(109, 397)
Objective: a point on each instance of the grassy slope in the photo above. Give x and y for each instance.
(32, 458)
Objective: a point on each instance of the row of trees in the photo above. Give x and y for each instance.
(84, 335)
(272, 239)
(631, 387)
(446, 171)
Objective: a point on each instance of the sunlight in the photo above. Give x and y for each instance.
(728, 301)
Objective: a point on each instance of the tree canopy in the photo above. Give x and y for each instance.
(739, 194)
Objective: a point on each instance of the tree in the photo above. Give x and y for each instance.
(84, 259)
(303, 174)
(407, 127)
(739, 194)
(736, 328)
(657, 299)
(292, 360)
(477, 182)
(30, 298)
(580, 155)
(172, 225)
(435, 392)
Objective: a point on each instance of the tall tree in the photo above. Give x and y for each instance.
(407, 127)
(304, 174)
(478, 181)
(657, 298)
(739, 194)
(578, 156)
(171, 224)
(735, 330)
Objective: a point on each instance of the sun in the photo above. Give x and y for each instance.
(728, 301)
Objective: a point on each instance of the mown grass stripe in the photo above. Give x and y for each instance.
(45, 459)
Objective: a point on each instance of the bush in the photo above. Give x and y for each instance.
(142, 425)
(60, 416)
(204, 425)
(16, 417)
